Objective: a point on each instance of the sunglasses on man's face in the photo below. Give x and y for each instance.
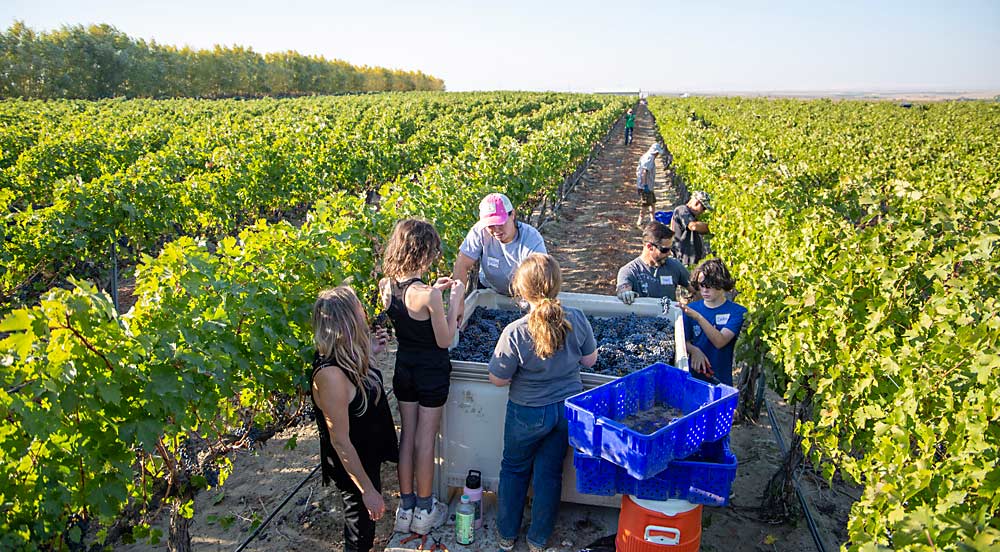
(662, 248)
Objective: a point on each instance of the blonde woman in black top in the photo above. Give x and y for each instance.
(352, 412)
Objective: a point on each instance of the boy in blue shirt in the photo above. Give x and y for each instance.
(712, 324)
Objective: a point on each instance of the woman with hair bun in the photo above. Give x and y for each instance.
(539, 356)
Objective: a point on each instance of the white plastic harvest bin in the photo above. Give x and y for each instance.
(472, 425)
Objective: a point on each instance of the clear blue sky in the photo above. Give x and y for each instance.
(586, 45)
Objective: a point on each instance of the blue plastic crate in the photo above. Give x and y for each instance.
(703, 478)
(708, 416)
(663, 216)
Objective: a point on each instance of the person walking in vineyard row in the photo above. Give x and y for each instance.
(689, 246)
(356, 430)
(499, 242)
(629, 126)
(539, 356)
(424, 331)
(655, 272)
(713, 323)
(645, 177)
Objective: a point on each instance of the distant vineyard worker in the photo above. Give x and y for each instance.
(356, 430)
(499, 242)
(645, 176)
(689, 246)
(539, 356)
(655, 272)
(422, 377)
(629, 126)
(713, 323)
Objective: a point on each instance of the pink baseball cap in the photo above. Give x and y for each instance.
(494, 209)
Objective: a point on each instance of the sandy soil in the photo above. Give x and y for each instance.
(593, 235)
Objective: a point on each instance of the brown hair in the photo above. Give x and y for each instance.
(413, 247)
(342, 338)
(538, 281)
(655, 231)
(713, 274)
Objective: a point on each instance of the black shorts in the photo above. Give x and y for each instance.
(422, 377)
(646, 198)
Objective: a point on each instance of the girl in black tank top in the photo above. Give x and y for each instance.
(355, 425)
(420, 381)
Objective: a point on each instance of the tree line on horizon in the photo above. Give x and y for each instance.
(99, 61)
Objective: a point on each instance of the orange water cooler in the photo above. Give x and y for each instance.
(658, 526)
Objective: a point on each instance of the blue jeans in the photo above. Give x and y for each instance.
(534, 445)
(628, 135)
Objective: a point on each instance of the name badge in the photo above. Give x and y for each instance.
(721, 319)
(492, 262)
(666, 280)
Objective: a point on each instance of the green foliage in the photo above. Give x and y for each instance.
(83, 175)
(100, 61)
(868, 246)
(100, 407)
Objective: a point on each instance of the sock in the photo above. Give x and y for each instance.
(425, 503)
(407, 501)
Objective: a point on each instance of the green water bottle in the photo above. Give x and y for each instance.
(465, 519)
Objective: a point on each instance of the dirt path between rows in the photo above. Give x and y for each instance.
(592, 236)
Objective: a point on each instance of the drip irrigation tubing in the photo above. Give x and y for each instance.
(388, 393)
(795, 482)
(278, 509)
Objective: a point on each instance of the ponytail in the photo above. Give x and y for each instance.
(538, 281)
(548, 327)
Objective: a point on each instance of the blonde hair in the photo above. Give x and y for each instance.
(342, 338)
(413, 246)
(538, 281)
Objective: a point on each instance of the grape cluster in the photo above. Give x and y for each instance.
(624, 343)
(250, 436)
(481, 334)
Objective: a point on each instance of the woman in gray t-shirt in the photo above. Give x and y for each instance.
(539, 356)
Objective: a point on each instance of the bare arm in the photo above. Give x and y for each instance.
(445, 324)
(333, 394)
(698, 226)
(499, 382)
(718, 338)
(590, 360)
(699, 362)
(463, 264)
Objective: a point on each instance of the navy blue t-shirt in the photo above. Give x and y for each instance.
(727, 315)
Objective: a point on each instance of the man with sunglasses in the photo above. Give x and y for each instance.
(689, 246)
(654, 273)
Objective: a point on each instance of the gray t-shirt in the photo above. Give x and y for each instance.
(537, 382)
(645, 172)
(658, 282)
(497, 261)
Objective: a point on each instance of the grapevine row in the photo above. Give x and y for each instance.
(144, 172)
(99, 407)
(868, 240)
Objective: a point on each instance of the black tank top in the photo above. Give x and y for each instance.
(372, 432)
(412, 335)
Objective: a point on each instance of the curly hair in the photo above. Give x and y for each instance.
(713, 274)
(538, 281)
(413, 247)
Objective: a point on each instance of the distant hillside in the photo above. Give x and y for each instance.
(100, 61)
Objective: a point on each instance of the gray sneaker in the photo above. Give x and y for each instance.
(424, 522)
(403, 520)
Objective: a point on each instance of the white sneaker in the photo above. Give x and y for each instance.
(403, 520)
(424, 522)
